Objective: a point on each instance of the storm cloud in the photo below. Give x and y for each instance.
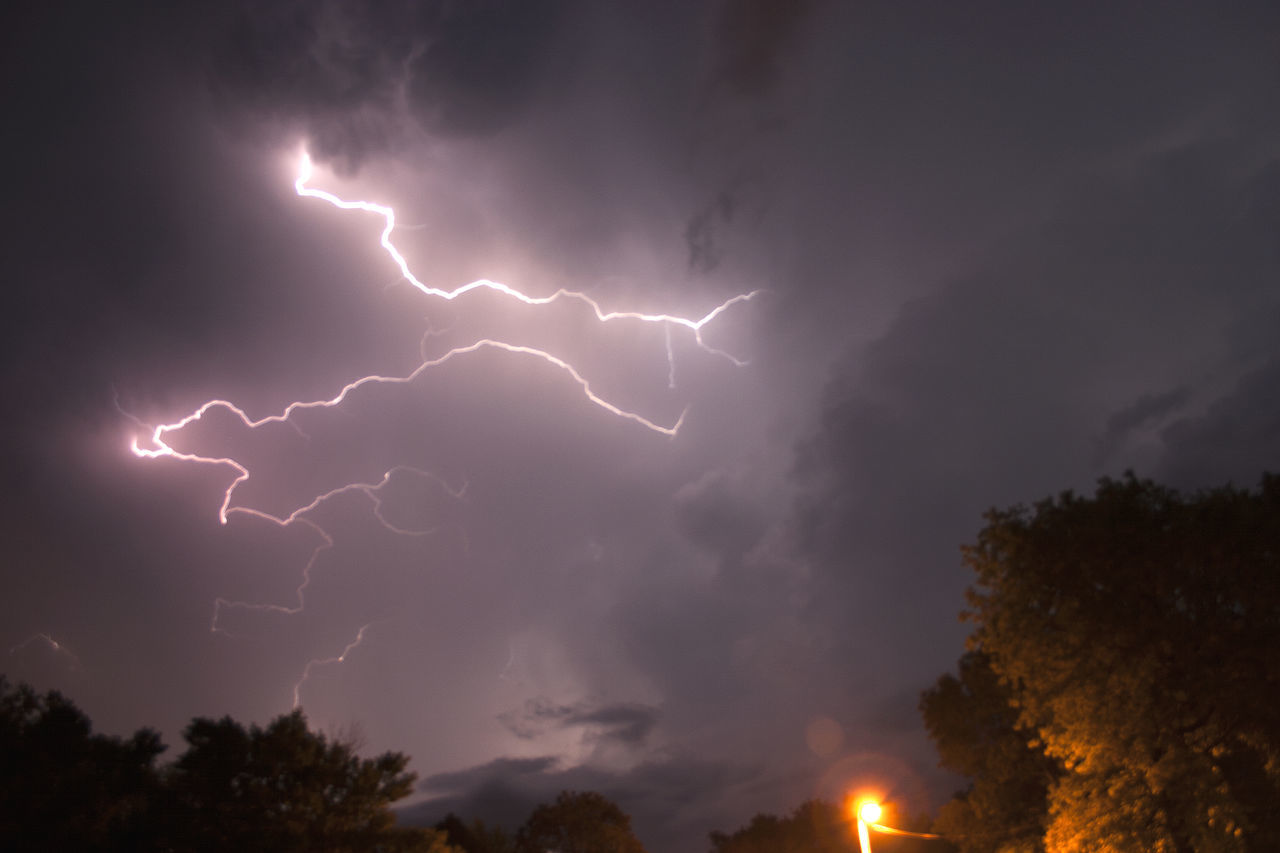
(998, 251)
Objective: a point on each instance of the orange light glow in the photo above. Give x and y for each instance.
(869, 811)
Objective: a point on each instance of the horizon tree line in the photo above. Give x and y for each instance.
(1117, 693)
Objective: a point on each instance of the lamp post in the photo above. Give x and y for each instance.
(868, 814)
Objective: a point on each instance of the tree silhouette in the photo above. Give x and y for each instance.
(280, 789)
(63, 787)
(285, 788)
(476, 836)
(816, 826)
(578, 822)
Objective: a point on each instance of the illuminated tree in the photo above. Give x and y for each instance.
(578, 822)
(818, 826)
(285, 788)
(1138, 633)
(973, 724)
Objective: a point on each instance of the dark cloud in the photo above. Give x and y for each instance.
(671, 802)
(332, 72)
(482, 64)
(743, 111)
(504, 791)
(358, 80)
(1148, 411)
(487, 773)
(626, 724)
(1235, 440)
(531, 720)
(714, 513)
(705, 251)
(629, 724)
(1007, 248)
(986, 392)
(753, 36)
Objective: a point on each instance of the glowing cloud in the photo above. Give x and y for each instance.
(157, 444)
(388, 215)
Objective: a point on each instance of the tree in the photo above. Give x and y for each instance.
(974, 726)
(282, 788)
(578, 822)
(476, 836)
(63, 787)
(285, 788)
(1138, 632)
(816, 826)
(490, 839)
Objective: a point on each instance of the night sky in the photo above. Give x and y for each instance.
(1003, 249)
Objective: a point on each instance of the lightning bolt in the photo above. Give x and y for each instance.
(311, 664)
(158, 441)
(369, 490)
(305, 170)
(160, 447)
(49, 641)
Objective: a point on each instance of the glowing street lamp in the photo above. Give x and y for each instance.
(868, 813)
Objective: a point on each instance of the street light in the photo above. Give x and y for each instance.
(868, 813)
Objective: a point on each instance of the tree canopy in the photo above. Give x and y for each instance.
(1136, 633)
(65, 788)
(975, 728)
(816, 826)
(578, 822)
(284, 788)
(280, 788)
(475, 836)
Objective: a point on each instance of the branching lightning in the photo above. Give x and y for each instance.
(389, 218)
(314, 662)
(158, 444)
(298, 516)
(47, 640)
